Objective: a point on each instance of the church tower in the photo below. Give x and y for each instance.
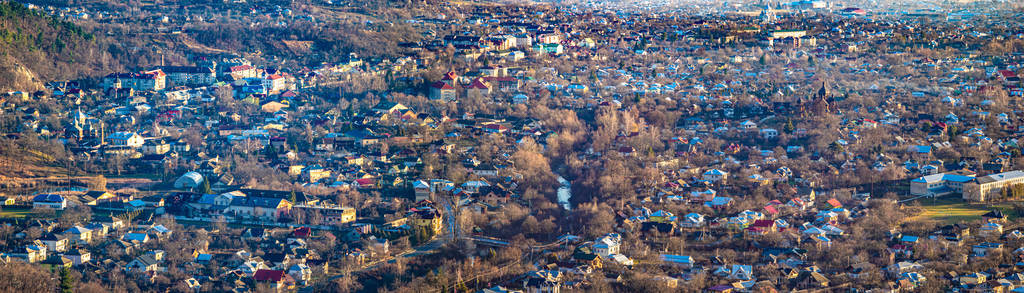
(821, 100)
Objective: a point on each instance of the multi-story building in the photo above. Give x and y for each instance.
(991, 186)
(331, 215)
(939, 184)
(50, 201)
(549, 38)
(274, 83)
(442, 91)
(127, 138)
(152, 80)
(259, 207)
(156, 146)
(190, 75)
(239, 72)
(428, 218)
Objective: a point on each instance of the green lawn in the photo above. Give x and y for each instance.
(951, 210)
(15, 213)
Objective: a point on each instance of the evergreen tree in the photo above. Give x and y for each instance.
(293, 197)
(270, 152)
(835, 147)
(206, 186)
(67, 282)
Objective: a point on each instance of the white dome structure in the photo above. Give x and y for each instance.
(189, 180)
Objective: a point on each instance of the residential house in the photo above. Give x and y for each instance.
(32, 253)
(79, 235)
(692, 220)
(543, 281)
(133, 237)
(277, 279)
(77, 256)
(95, 197)
(274, 83)
(427, 217)
(55, 242)
(422, 190)
(300, 272)
(145, 263)
(155, 147)
(607, 245)
(478, 87)
(715, 176)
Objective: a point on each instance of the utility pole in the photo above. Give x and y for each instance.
(71, 160)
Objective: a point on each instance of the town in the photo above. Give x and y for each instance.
(504, 146)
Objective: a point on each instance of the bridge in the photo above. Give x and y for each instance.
(498, 242)
(488, 241)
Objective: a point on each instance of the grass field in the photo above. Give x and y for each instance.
(951, 210)
(15, 213)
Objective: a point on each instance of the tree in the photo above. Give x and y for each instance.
(75, 215)
(92, 287)
(206, 189)
(224, 95)
(270, 152)
(67, 282)
(835, 147)
(98, 183)
(18, 276)
(789, 126)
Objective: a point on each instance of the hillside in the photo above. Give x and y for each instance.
(30, 162)
(35, 48)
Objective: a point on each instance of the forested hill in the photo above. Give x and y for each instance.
(35, 48)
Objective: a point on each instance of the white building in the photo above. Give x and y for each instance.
(607, 245)
(126, 138)
(153, 80)
(715, 176)
(991, 186)
(189, 180)
(190, 75)
(939, 184)
(50, 201)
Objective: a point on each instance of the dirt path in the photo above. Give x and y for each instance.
(191, 44)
